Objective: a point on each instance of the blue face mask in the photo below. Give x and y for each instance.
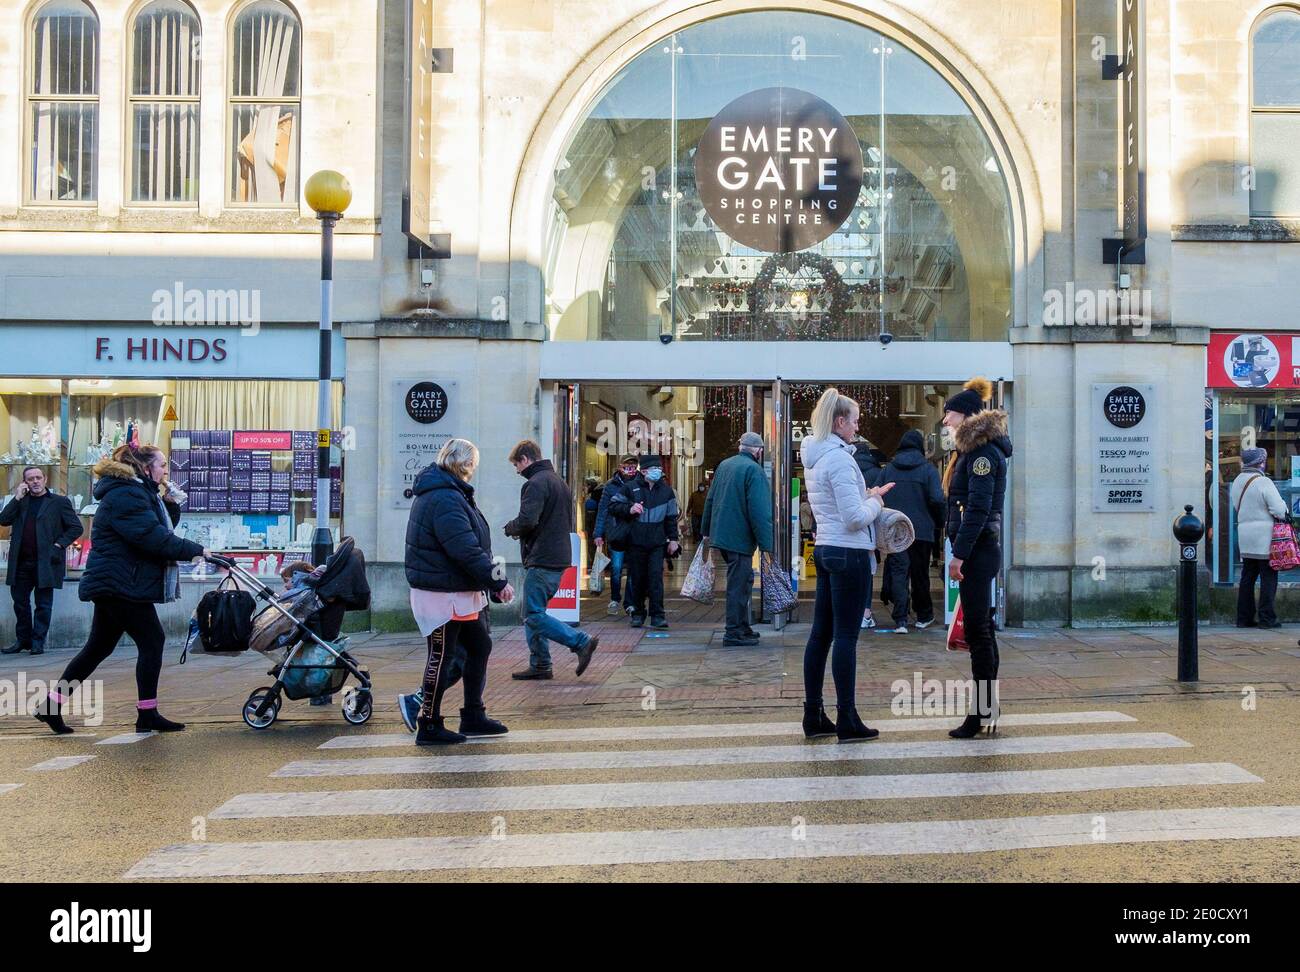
(654, 474)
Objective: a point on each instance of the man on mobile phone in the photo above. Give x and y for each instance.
(43, 526)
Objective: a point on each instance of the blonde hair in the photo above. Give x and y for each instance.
(459, 457)
(831, 406)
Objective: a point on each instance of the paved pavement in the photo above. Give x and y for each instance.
(676, 759)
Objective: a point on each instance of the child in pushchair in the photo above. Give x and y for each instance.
(299, 630)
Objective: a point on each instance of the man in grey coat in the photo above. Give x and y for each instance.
(43, 526)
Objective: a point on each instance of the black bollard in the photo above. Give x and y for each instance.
(1188, 531)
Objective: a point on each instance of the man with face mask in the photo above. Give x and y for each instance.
(737, 519)
(649, 506)
(627, 470)
(43, 526)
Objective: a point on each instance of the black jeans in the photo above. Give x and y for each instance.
(31, 630)
(114, 617)
(740, 592)
(978, 571)
(459, 649)
(843, 574)
(646, 570)
(910, 568)
(1250, 569)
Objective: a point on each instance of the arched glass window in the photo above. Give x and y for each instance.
(166, 52)
(63, 103)
(265, 90)
(1275, 114)
(690, 198)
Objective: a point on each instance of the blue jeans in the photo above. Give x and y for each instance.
(540, 585)
(616, 577)
(843, 575)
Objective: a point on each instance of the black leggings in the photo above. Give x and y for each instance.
(113, 618)
(978, 571)
(459, 649)
(843, 578)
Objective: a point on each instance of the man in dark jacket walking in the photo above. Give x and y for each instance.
(627, 471)
(43, 526)
(543, 529)
(737, 519)
(649, 505)
(917, 493)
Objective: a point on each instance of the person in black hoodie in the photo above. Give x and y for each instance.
(919, 495)
(452, 574)
(132, 567)
(976, 484)
(649, 506)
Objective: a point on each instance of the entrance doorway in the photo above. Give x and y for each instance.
(694, 427)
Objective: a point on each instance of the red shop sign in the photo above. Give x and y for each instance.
(282, 441)
(1253, 360)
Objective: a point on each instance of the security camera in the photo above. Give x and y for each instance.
(886, 338)
(666, 337)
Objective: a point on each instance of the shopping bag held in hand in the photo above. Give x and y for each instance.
(1283, 553)
(778, 593)
(698, 585)
(596, 579)
(957, 631)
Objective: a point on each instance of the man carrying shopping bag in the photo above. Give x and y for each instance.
(737, 519)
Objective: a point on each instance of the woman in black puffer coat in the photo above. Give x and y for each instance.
(132, 567)
(452, 575)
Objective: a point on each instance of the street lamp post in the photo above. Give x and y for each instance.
(328, 194)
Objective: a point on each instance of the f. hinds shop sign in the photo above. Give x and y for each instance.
(779, 170)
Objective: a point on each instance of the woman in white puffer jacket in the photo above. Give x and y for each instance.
(845, 511)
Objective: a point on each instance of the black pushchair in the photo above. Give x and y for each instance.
(299, 631)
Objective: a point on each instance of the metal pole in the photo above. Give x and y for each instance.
(322, 544)
(1188, 649)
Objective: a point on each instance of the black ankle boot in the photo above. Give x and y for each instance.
(48, 713)
(474, 721)
(150, 720)
(849, 728)
(968, 729)
(431, 732)
(816, 723)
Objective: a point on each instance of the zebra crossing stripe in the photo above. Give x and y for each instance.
(591, 796)
(635, 759)
(210, 859)
(6, 787)
(721, 730)
(125, 739)
(18, 736)
(59, 763)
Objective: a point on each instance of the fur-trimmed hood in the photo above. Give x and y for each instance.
(982, 428)
(111, 467)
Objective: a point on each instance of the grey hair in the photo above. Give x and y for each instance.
(459, 457)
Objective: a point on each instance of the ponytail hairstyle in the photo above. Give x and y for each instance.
(831, 406)
(137, 458)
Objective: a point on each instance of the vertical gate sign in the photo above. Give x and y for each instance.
(1123, 448)
(778, 169)
(1129, 68)
(419, 120)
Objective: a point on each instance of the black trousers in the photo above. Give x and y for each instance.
(112, 618)
(646, 569)
(1251, 568)
(978, 571)
(740, 592)
(459, 649)
(910, 568)
(31, 629)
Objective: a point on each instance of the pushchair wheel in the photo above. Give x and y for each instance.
(254, 703)
(357, 706)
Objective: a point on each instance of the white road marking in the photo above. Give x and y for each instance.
(6, 787)
(125, 739)
(16, 736)
(721, 730)
(590, 796)
(712, 844)
(631, 759)
(60, 763)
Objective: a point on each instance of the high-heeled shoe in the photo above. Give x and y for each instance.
(850, 728)
(969, 729)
